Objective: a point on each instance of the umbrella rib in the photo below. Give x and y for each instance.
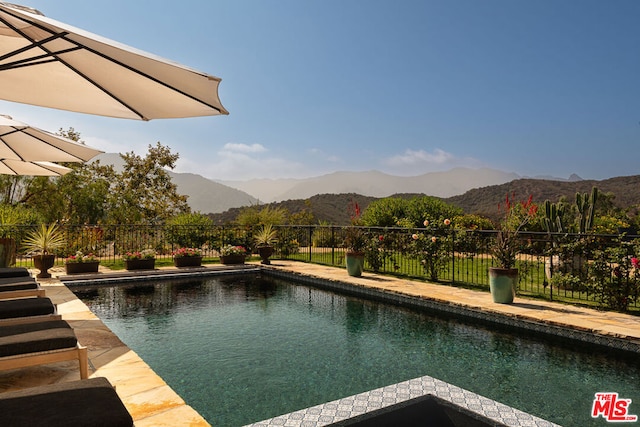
(35, 60)
(63, 35)
(9, 167)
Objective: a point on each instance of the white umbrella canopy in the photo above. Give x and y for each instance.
(21, 167)
(24, 143)
(47, 63)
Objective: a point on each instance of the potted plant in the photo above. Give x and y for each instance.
(265, 238)
(81, 263)
(41, 242)
(140, 260)
(230, 254)
(354, 243)
(503, 279)
(187, 257)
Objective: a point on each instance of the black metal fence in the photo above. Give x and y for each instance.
(589, 269)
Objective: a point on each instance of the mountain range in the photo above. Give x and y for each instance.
(209, 196)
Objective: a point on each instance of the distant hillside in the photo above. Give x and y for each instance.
(485, 200)
(204, 195)
(330, 208)
(373, 184)
(207, 196)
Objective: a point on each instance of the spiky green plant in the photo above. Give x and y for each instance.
(266, 235)
(45, 239)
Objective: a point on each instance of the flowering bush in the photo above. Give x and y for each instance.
(186, 252)
(232, 250)
(432, 247)
(378, 249)
(80, 257)
(144, 254)
(613, 277)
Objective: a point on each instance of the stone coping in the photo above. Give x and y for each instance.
(339, 412)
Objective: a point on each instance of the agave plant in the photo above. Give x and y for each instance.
(266, 235)
(45, 239)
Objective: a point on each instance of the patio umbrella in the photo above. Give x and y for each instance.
(47, 63)
(21, 142)
(21, 167)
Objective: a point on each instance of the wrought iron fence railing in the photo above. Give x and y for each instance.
(590, 269)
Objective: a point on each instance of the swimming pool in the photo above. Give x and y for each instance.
(243, 348)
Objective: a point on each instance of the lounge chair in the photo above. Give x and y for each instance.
(40, 343)
(14, 272)
(91, 402)
(27, 310)
(20, 287)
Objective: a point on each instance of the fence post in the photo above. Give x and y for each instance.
(310, 241)
(333, 245)
(453, 256)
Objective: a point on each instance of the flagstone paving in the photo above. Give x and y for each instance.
(152, 402)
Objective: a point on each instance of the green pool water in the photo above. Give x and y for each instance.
(240, 349)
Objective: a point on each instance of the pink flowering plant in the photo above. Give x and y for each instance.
(80, 257)
(186, 252)
(143, 254)
(232, 250)
(431, 245)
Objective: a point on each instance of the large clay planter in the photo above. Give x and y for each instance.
(502, 283)
(43, 263)
(140, 264)
(265, 252)
(82, 267)
(187, 261)
(232, 259)
(355, 263)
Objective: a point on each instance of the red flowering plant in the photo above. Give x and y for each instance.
(80, 257)
(143, 254)
(186, 252)
(507, 243)
(355, 239)
(232, 250)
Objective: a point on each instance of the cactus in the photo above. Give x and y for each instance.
(553, 213)
(586, 209)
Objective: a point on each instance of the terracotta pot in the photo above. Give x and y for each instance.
(187, 261)
(140, 264)
(82, 267)
(232, 259)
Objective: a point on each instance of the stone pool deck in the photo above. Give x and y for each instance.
(153, 403)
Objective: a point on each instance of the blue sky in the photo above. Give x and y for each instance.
(534, 87)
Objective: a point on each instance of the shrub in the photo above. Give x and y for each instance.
(188, 230)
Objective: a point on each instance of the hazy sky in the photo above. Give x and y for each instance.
(538, 87)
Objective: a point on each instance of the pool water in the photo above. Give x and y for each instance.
(240, 349)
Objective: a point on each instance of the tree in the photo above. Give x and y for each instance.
(79, 197)
(392, 211)
(143, 192)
